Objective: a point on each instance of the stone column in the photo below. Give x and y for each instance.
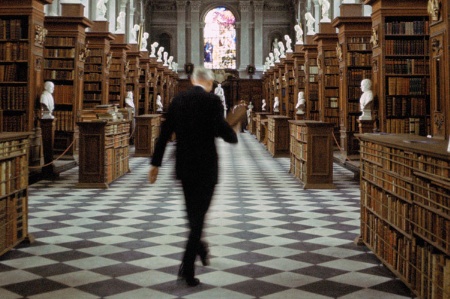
(181, 32)
(111, 15)
(244, 6)
(195, 32)
(131, 21)
(258, 34)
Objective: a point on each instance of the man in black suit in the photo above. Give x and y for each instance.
(196, 117)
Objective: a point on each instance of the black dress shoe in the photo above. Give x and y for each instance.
(204, 255)
(189, 278)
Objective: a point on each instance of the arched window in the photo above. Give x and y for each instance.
(219, 43)
(164, 41)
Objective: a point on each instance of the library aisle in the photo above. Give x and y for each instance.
(268, 237)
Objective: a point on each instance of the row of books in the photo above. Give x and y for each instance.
(407, 66)
(13, 97)
(14, 228)
(15, 123)
(407, 86)
(358, 59)
(332, 102)
(62, 41)
(63, 94)
(13, 28)
(416, 126)
(358, 40)
(332, 80)
(406, 106)
(64, 120)
(407, 27)
(355, 76)
(60, 64)
(94, 77)
(12, 51)
(59, 75)
(59, 53)
(13, 174)
(13, 72)
(407, 47)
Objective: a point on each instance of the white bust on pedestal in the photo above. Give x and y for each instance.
(310, 23)
(288, 40)
(160, 53)
(366, 100)
(159, 104)
(47, 102)
(276, 105)
(153, 49)
(282, 49)
(263, 107)
(101, 10)
(325, 11)
(298, 34)
(300, 103)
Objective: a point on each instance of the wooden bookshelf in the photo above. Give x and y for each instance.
(328, 82)
(144, 84)
(440, 71)
(133, 72)
(97, 65)
(104, 152)
(21, 62)
(250, 90)
(65, 54)
(14, 149)
(311, 81)
(287, 100)
(117, 71)
(153, 85)
(270, 88)
(311, 152)
(299, 73)
(278, 134)
(147, 132)
(401, 79)
(260, 129)
(355, 64)
(405, 211)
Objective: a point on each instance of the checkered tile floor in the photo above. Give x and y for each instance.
(268, 237)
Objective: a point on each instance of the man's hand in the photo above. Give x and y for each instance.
(153, 174)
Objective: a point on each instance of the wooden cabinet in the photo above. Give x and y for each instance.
(401, 72)
(405, 208)
(148, 127)
(21, 62)
(287, 100)
(260, 128)
(65, 54)
(97, 64)
(104, 152)
(311, 151)
(278, 134)
(355, 64)
(13, 189)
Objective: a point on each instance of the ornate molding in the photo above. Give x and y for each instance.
(439, 120)
(84, 52)
(276, 7)
(374, 38)
(434, 9)
(181, 5)
(40, 34)
(436, 46)
(339, 51)
(258, 6)
(195, 5)
(244, 6)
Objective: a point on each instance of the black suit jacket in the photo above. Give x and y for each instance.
(196, 117)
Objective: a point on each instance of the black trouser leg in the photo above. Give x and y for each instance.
(198, 198)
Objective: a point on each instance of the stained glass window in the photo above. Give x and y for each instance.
(219, 43)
